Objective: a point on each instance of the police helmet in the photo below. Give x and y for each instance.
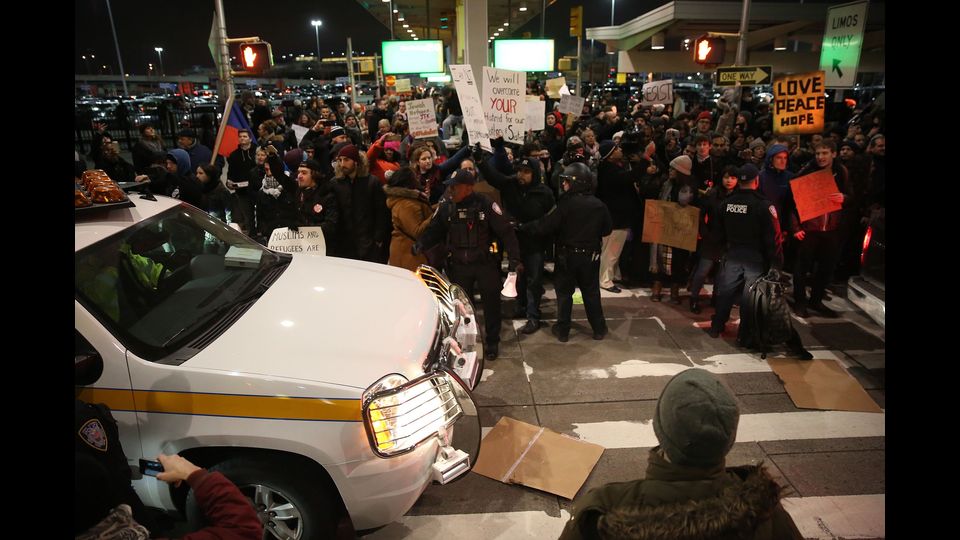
(579, 176)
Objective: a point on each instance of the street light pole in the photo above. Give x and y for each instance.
(613, 5)
(160, 54)
(316, 26)
(123, 79)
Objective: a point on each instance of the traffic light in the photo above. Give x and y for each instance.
(256, 57)
(709, 50)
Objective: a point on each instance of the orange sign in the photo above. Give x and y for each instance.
(799, 104)
(391, 80)
(812, 193)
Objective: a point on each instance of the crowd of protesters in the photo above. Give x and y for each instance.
(359, 174)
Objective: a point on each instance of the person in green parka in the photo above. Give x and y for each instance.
(688, 493)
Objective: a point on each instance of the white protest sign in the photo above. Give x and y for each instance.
(504, 94)
(305, 240)
(299, 132)
(535, 110)
(658, 92)
(403, 85)
(571, 105)
(472, 107)
(554, 86)
(423, 121)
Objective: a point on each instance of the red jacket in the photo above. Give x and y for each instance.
(230, 514)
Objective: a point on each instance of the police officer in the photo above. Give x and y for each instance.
(750, 229)
(581, 221)
(470, 222)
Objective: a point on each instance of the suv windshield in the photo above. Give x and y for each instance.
(172, 278)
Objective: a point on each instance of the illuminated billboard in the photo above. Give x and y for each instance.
(523, 54)
(421, 56)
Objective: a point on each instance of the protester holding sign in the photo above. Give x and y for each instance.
(670, 264)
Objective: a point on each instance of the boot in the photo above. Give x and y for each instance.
(675, 293)
(655, 292)
(695, 304)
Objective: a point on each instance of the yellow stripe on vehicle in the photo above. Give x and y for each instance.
(267, 407)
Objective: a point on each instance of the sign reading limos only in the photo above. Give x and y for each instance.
(842, 42)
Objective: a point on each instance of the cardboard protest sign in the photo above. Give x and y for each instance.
(554, 86)
(535, 110)
(799, 104)
(473, 119)
(658, 93)
(423, 121)
(403, 85)
(515, 452)
(299, 132)
(571, 105)
(822, 384)
(504, 95)
(305, 240)
(668, 223)
(812, 193)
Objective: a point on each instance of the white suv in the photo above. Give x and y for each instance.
(318, 385)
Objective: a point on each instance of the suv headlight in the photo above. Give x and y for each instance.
(399, 415)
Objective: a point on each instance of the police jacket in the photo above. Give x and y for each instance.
(469, 228)
(615, 187)
(831, 220)
(750, 228)
(525, 203)
(711, 243)
(579, 219)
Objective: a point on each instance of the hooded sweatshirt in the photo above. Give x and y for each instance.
(525, 203)
(184, 185)
(775, 185)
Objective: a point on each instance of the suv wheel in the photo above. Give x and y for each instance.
(290, 506)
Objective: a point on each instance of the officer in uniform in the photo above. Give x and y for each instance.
(581, 221)
(470, 222)
(750, 229)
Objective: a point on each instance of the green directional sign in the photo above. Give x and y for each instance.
(842, 41)
(745, 75)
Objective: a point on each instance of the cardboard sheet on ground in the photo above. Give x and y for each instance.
(812, 194)
(822, 384)
(858, 516)
(308, 240)
(515, 452)
(668, 223)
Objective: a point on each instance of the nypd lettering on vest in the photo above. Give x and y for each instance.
(737, 208)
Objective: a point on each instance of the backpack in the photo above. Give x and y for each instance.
(771, 320)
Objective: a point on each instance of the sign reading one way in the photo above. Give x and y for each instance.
(842, 41)
(745, 75)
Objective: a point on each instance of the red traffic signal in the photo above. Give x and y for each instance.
(256, 57)
(709, 50)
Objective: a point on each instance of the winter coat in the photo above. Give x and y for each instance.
(775, 185)
(708, 172)
(831, 220)
(240, 164)
(317, 206)
(199, 155)
(616, 188)
(682, 503)
(364, 217)
(525, 203)
(410, 214)
(147, 152)
(379, 167)
(215, 199)
(711, 237)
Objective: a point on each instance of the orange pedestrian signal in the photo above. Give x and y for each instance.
(256, 57)
(709, 50)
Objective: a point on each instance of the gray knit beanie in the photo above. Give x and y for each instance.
(696, 419)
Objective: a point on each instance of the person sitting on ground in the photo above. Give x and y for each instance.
(688, 492)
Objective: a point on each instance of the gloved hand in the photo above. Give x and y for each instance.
(497, 143)
(477, 154)
(416, 249)
(518, 268)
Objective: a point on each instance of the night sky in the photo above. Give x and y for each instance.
(182, 28)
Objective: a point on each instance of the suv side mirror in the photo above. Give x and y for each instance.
(87, 368)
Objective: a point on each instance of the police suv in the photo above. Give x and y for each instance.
(318, 385)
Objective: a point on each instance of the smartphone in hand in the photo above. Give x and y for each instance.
(150, 468)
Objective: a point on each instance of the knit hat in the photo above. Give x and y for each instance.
(606, 148)
(337, 130)
(704, 115)
(187, 132)
(757, 142)
(696, 419)
(673, 132)
(852, 144)
(313, 165)
(683, 164)
(349, 151)
(392, 145)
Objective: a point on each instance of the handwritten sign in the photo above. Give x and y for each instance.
(571, 105)
(668, 223)
(504, 94)
(658, 93)
(812, 193)
(403, 85)
(535, 110)
(554, 86)
(305, 240)
(423, 121)
(473, 118)
(799, 104)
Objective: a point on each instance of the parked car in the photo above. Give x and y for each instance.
(320, 386)
(868, 290)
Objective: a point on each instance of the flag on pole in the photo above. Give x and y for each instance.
(235, 122)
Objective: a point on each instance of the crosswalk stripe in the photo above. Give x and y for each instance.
(505, 525)
(752, 427)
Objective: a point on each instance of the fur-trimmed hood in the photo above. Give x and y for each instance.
(363, 167)
(394, 194)
(747, 499)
